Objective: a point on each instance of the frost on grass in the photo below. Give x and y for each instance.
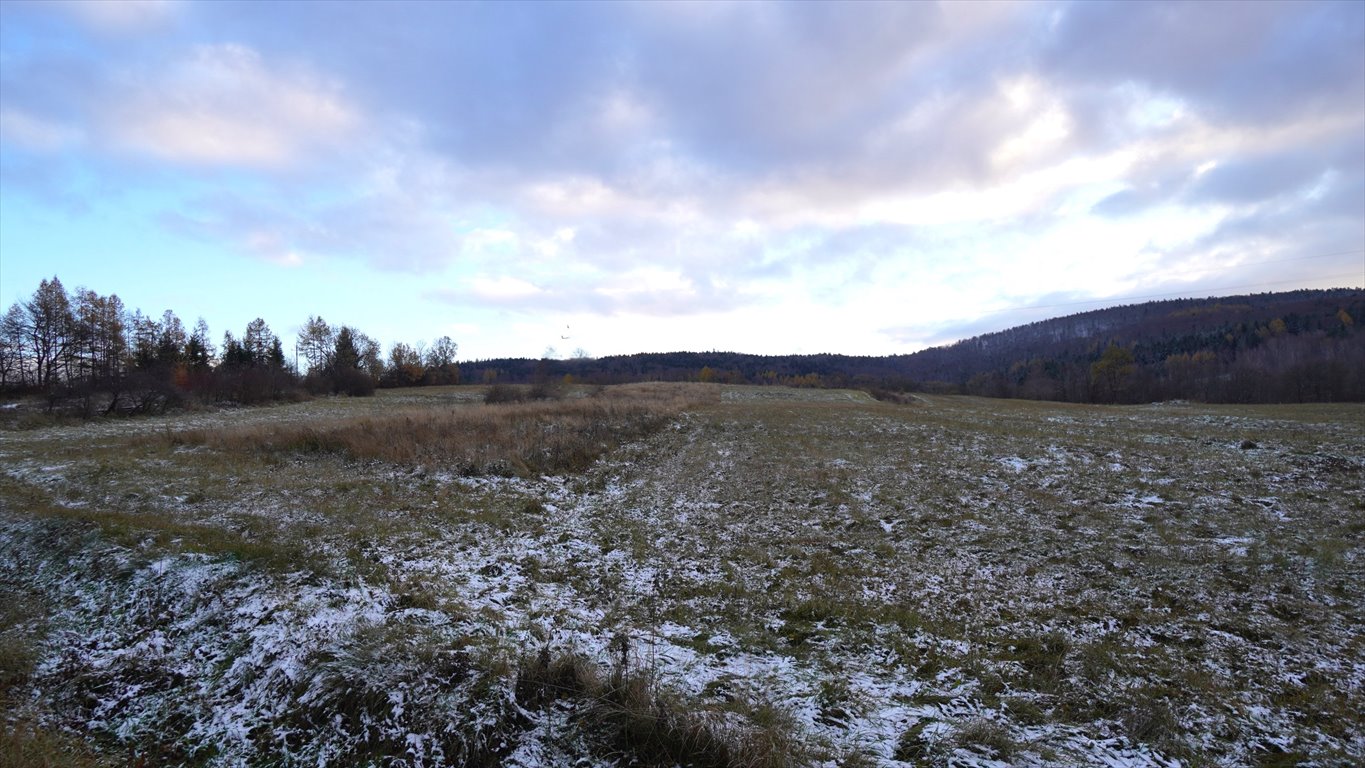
(188, 658)
(961, 583)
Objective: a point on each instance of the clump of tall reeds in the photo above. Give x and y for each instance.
(511, 439)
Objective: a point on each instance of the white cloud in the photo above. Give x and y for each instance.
(225, 105)
(1044, 122)
(648, 281)
(578, 196)
(503, 288)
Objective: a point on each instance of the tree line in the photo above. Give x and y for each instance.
(1296, 346)
(89, 353)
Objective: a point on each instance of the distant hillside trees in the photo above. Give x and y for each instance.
(1299, 346)
(1111, 376)
(1302, 346)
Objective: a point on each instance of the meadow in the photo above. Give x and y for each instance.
(686, 574)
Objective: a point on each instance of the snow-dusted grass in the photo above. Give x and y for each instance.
(775, 577)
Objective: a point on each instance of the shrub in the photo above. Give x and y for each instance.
(353, 382)
(545, 389)
(504, 393)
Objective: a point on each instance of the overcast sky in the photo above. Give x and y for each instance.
(770, 178)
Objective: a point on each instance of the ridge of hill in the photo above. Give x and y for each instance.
(1293, 346)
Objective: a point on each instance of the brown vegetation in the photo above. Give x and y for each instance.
(511, 439)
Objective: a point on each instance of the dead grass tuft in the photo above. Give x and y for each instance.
(989, 737)
(629, 716)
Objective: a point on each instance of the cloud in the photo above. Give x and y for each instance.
(1255, 178)
(36, 133)
(503, 289)
(644, 290)
(1121, 203)
(224, 105)
(1250, 62)
(681, 160)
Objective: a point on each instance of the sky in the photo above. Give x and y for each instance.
(609, 178)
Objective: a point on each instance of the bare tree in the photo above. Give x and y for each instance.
(48, 326)
(371, 354)
(441, 368)
(317, 342)
(442, 353)
(13, 361)
(257, 342)
(99, 330)
(405, 366)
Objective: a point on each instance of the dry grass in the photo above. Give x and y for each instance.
(630, 716)
(514, 439)
(26, 745)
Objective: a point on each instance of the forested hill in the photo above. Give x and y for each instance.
(1294, 346)
(1291, 346)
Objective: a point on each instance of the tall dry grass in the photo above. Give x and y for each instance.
(513, 439)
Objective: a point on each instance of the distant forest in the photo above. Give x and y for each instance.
(89, 354)
(1297, 346)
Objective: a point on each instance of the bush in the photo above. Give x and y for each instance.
(504, 393)
(353, 382)
(545, 389)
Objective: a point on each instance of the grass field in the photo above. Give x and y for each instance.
(687, 574)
